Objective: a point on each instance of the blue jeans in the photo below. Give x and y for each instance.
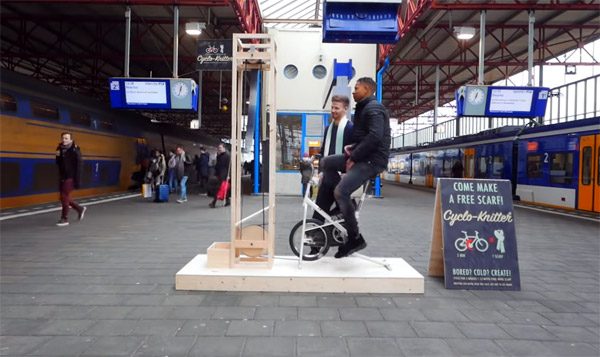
(343, 188)
(172, 180)
(183, 192)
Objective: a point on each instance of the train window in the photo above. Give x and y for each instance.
(289, 135)
(586, 171)
(43, 110)
(482, 167)
(446, 167)
(534, 166)
(105, 124)
(81, 118)
(8, 103)
(45, 176)
(9, 177)
(598, 166)
(87, 174)
(561, 168)
(497, 166)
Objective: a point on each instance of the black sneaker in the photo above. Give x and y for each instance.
(62, 223)
(351, 247)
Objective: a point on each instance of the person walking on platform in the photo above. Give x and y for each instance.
(222, 172)
(202, 168)
(69, 162)
(365, 158)
(183, 165)
(337, 135)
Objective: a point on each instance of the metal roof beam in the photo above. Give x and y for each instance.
(127, 2)
(487, 63)
(553, 5)
(248, 14)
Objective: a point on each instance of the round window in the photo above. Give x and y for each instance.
(290, 71)
(319, 71)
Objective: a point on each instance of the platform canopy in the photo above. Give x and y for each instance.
(427, 39)
(78, 44)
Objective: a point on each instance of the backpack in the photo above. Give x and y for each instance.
(172, 162)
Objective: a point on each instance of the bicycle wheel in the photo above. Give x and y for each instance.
(481, 245)
(460, 244)
(315, 241)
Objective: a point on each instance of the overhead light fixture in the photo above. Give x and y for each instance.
(464, 32)
(194, 28)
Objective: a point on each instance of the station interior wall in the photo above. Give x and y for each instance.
(305, 94)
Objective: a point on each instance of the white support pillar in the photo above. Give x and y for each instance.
(437, 101)
(417, 86)
(481, 72)
(127, 39)
(530, 37)
(175, 41)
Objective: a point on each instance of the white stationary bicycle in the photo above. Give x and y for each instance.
(310, 239)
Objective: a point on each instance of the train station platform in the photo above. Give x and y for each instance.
(106, 287)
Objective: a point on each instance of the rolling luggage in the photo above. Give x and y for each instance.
(162, 193)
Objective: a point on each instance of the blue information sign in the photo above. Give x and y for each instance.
(496, 101)
(526, 102)
(474, 219)
(140, 93)
(153, 93)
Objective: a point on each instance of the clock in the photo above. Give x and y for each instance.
(475, 96)
(180, 90)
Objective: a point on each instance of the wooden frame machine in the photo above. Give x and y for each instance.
(252, 246)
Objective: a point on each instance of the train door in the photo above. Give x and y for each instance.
(589, 178)
(429, 158)
(469, 163)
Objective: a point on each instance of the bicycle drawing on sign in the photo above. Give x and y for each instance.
(468, 242)
(212, 49)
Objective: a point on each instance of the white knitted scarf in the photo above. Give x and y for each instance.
(339, 138)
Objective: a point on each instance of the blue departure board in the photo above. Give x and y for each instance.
(496, 101)
(153, 93)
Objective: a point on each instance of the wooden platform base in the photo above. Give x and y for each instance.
(326, 275)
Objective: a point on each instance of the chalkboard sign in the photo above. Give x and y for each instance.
(474, 242)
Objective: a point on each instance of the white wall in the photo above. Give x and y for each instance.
(306, 93)
(304, 49)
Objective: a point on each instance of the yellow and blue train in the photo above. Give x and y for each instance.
(554, 165)
(114, 144)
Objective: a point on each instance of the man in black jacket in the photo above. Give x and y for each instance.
(364, 159)
(68, 159)
(222, 172)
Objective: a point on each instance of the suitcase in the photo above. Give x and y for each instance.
(162, 193)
